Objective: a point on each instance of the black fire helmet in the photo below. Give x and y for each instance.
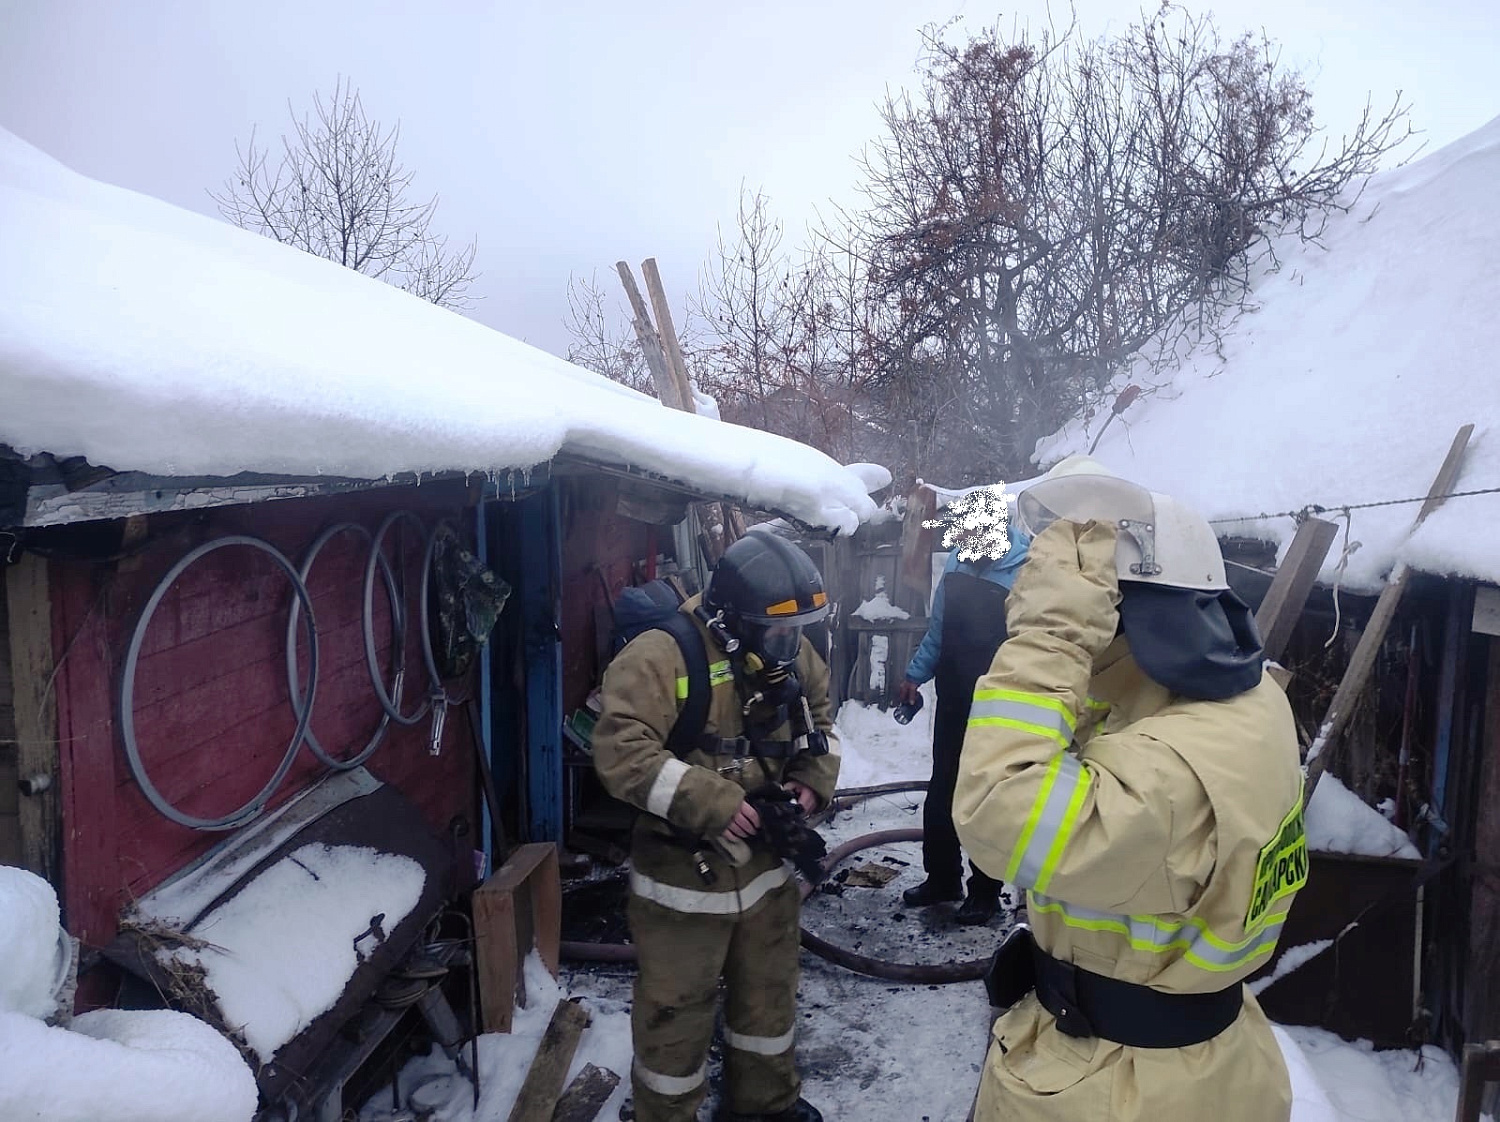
(763, 580)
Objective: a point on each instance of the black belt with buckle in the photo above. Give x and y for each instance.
(1087, 1004)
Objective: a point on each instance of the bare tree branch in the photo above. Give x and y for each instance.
(338, 192)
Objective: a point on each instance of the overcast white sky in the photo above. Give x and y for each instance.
(568, 135)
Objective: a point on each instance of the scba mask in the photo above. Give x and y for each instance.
(777, 644)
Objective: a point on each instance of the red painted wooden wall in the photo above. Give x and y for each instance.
(212, 711)
(599, 549)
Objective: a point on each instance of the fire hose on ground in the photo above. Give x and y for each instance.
(915, 972)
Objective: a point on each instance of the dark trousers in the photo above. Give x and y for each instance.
(942, 857)
(973, 629)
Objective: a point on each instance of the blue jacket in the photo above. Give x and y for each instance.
(923, 662)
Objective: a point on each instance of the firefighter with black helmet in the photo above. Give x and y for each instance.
(709, 900)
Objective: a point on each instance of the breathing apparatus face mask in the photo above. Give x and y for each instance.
(778, 644)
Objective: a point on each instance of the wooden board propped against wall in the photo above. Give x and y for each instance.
(29, 620)
(517, 910)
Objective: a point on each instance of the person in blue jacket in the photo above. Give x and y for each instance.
(964, 630)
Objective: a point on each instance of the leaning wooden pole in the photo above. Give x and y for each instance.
(731, 525)
(656, 359)
(669, 373)
(671, 348)
(1363, 659)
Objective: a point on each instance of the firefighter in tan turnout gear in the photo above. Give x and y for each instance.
(708, 898)
(1129, 764)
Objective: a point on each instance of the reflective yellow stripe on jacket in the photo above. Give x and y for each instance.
(1025, 712)
(1202, 947)
(1064, 787)
(718, 674)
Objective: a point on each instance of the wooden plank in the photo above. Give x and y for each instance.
(544, 1081)
(1363, 659)
(29, 615)
(1284, 600)
(656, 358)
(916, 543)
(10, 797)
(1481, 1066)
(1486, 618)
(519, 908)
(586, 1095)
(1481, 1013)
(671, 348)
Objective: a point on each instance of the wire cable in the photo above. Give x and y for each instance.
(301, 706)
(294, 678)
(391, 702)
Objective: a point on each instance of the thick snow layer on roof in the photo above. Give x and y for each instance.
(1347, 381)
(147, 338)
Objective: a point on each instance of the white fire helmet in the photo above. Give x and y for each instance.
(1161, 542)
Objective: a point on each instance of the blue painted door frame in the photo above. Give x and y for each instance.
(541, 605)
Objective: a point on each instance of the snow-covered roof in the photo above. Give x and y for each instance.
(1347, 380)
(148, 338)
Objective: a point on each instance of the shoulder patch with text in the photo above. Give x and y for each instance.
(1281, 868)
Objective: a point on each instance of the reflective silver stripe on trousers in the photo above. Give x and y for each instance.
(727, 903)
(671, 1084)
(760, 1045)
(1148, 933)
(659, 801)
(1050, 822)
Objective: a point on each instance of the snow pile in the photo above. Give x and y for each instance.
(1338, 821)
(877, 750)
(118, 1066)
(1309, 1100)
(875, 477)
(505, 1058)
(109, 1066)
(1347, 384)
(879, 607)
(281, 952)
(147, 338)
(1365, 1085)
(30, 950)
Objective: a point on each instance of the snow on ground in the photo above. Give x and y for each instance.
(148, 338)
(1345, 383)
(504, 1058)
(877, 1051)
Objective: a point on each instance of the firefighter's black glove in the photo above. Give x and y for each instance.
(785, 832)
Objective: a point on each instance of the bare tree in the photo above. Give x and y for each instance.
(337, 191)
(1043, 207)
(604, 344)
(782, 334)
